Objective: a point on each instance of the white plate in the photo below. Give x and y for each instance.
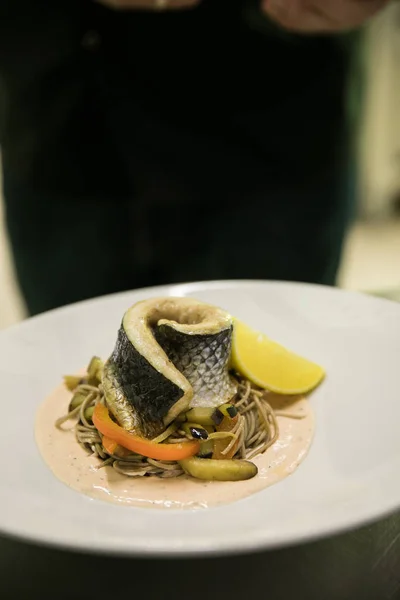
(351, 475)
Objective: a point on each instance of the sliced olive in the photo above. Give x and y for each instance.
(219, 470)
(203, 416)
(77, 400)
(71, 382)
(95, 370)
(196, 431)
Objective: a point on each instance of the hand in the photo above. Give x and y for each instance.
(156, 5)
(321, 16)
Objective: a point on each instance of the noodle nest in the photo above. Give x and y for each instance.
(255, 431)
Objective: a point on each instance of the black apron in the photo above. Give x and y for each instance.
(148, 148)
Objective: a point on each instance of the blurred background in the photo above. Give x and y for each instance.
(371, 262)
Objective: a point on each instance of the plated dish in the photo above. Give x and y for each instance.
(348, 476)
(188, 393)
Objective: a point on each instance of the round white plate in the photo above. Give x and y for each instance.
(350, 477)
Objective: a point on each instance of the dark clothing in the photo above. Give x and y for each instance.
(146, 148)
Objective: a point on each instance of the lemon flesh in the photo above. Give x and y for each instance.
(271, 366)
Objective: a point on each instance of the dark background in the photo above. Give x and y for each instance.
(362, 565)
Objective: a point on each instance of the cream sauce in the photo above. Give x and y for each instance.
(74, 467)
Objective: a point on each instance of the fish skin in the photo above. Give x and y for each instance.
(148, 393)
(117, 401)
(203, 360)
(160, 367)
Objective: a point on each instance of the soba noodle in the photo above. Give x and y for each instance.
(256, 430)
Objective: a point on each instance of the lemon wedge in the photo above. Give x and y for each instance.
(271, 366)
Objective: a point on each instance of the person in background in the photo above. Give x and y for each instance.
(158, 141)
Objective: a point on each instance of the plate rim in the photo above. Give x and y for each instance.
(200, 286)
(191, 547)
(222, 550)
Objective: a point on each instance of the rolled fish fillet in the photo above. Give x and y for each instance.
(171, 354)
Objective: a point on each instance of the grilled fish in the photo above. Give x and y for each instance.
(171, 354)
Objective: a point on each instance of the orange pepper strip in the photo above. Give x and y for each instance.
(102, 420)
(109, 445)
